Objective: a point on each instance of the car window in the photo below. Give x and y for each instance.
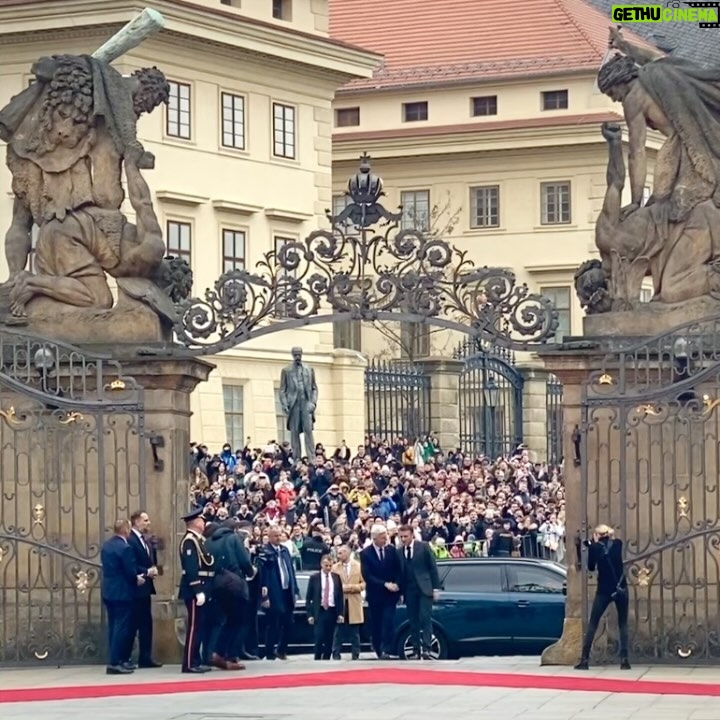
(535, 580)
(485, 577)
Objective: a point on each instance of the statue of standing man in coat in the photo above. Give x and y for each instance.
(298, 398)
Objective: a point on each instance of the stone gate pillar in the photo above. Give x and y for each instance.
(167, 382)
(572, 368)
(534, 416)
(444, 406)
(349, 411)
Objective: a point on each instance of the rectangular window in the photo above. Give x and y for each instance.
(284, 131)
(179, 240)
(485, 207)
(234, 416)
(486, 105)
(555, 203)
(560, 298)
(415, 210)
(347, 117)
(646, 294)
(233, 250)
(414, 111)
(281, 430)
(555, 100)
(282, 9)
(347, 334)
(414, 340)
(177, 112)
(30, 265)
(233, 121)
(281, 307)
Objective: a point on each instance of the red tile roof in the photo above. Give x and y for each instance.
(440, 41)
(482, 126)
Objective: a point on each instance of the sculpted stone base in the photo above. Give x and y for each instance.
(129, 321)
(566, 651)
(649, 319)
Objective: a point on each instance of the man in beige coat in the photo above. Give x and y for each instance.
(353, 585)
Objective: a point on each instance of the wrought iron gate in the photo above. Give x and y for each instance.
(71, 462)
(490, 393)
(397, 400)
(650, 458)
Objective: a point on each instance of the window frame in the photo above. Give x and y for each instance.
(415, 341)
(547, 291)
(179, 111)
(474, 225)
(492, 105)
(227, 414)
(238, 262)
(179, 253)
(416, 104)
(339, 115)
(404, 225)
(560, 94)
(353, 328)
(514, 569)
(285, 107)
(233, 123)
(544, 215)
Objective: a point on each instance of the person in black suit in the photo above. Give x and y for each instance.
(146, 566)
(380, 565)
(278, 590)
(119, 581)
(324, 604)
(197, 578)
(420, 586)
(605, 555)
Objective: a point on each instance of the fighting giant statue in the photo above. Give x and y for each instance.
(298, 398)
(673, 237)
(69, 137)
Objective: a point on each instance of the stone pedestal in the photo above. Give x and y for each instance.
(168, 382)
(444, 408)
(572, 368)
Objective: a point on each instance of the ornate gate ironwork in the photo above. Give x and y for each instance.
(650, 467)
(554, 419)
(71, 461)
(365, 268)
(397, 400)
(490, 393)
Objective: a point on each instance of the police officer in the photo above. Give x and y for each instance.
(313, 548)
(502, 542)
(197, 574)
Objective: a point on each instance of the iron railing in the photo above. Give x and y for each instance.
(397, 400)
(554, 419)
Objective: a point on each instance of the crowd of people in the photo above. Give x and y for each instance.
(463, 505)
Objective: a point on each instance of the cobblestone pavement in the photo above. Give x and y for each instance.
(387, 701)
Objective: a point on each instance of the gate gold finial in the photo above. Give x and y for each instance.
(10, 416)
(709, 404)
(38, 514)
(117, 385)
(643, 577)
(82, 581)
(683, 506)
(648, 409)
(2, 553)
(605, 379)
(71, 418)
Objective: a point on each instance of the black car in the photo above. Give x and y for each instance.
(492, 606)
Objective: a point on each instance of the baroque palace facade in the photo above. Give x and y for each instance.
(489, 136)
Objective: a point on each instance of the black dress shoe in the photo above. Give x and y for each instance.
(129, 665)
(582, 665)
(118, 670)
(427, 656)
(281, 656)
(248, 656)
(625, 664)
(356, 656)
(336, 656)
(197, 670)
(150, 664)
(388, 656)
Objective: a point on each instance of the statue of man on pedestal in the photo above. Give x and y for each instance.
(298, 398)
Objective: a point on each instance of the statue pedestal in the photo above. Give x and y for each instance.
(168, 382)
(649, 319)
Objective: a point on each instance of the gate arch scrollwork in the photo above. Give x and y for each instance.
(650, 468)
(356, 271)
(72, 458)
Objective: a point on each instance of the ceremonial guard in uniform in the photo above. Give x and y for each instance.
(197, 574)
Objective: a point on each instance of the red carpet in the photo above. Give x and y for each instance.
(389, 676)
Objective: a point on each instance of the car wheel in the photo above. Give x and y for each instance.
(438, 646)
